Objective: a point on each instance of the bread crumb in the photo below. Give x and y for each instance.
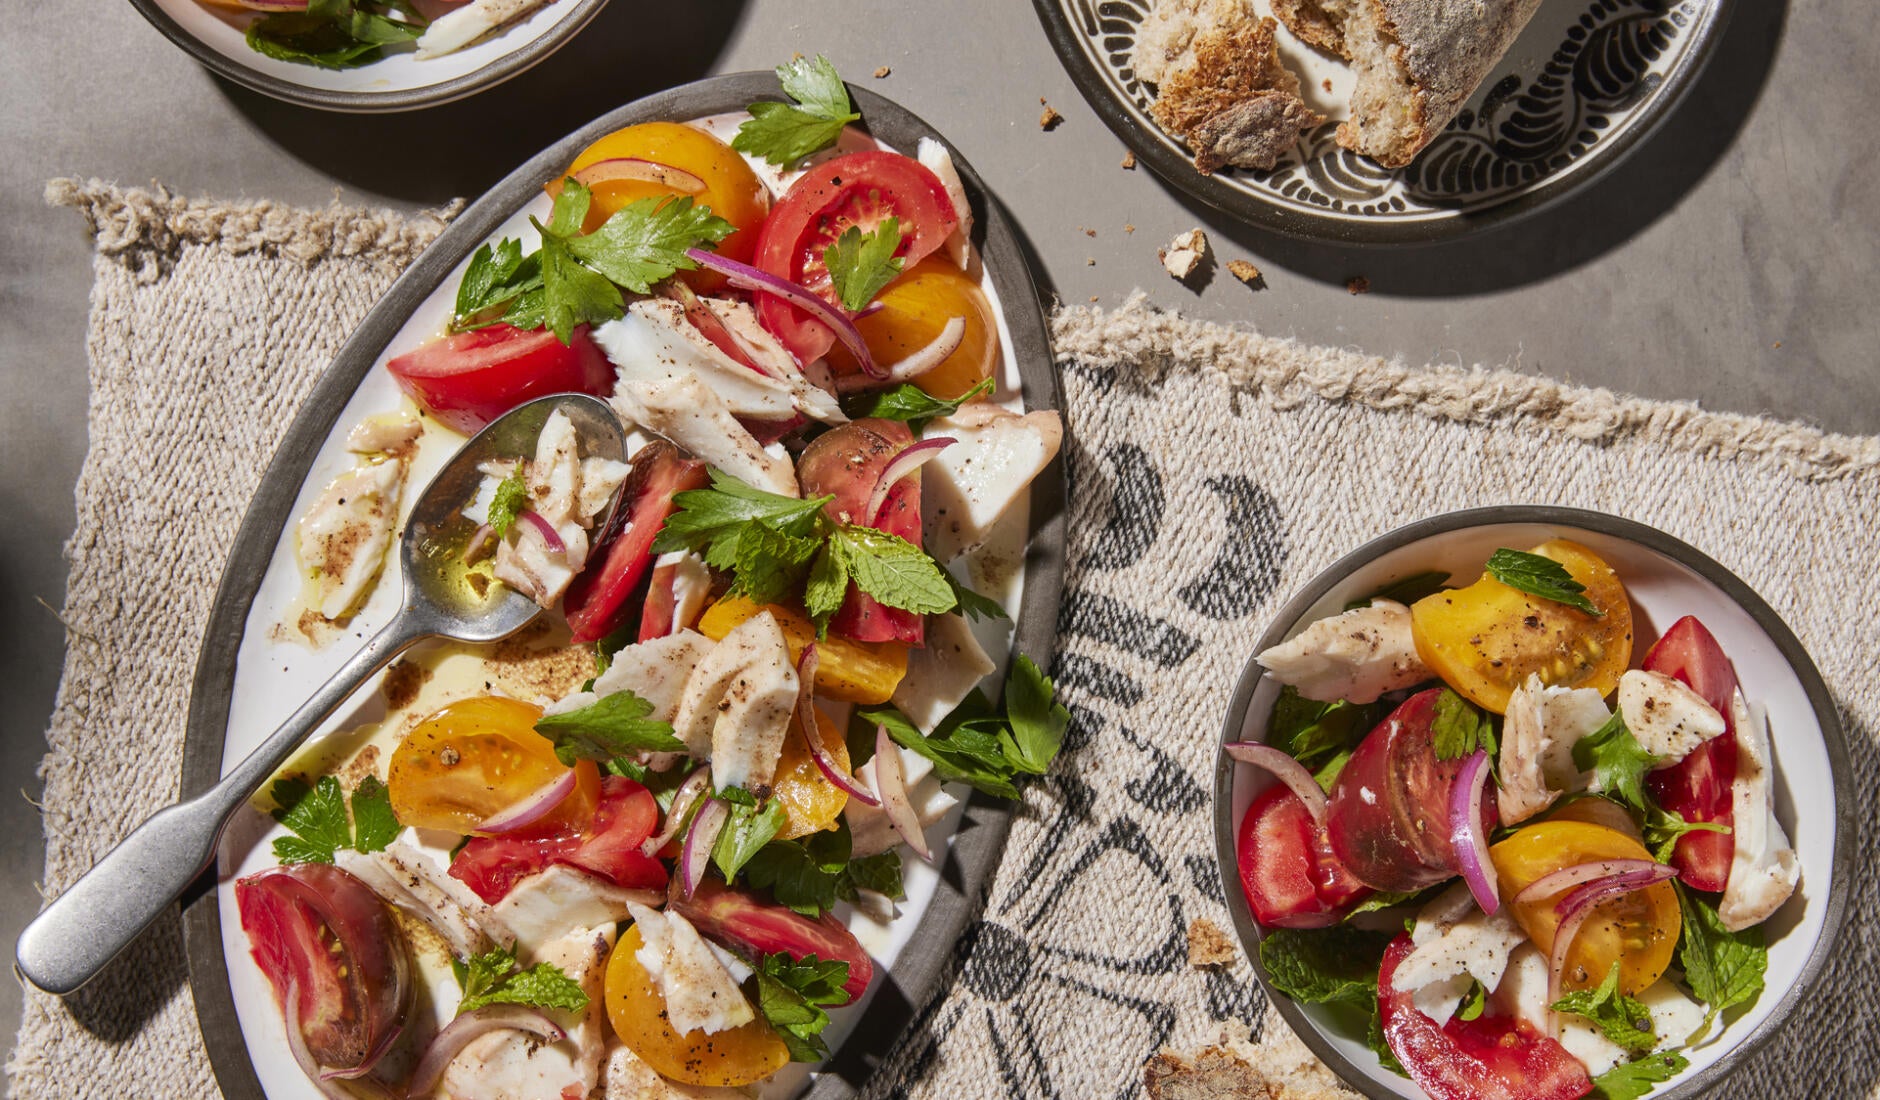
(1049, 117)
(1128, 228)
(882, 72)
(1244, 271)
(1090, 261)
(1129, 161)
(1327, 84)
(1088, 232)
(1358, 284)
(1184, 254)
(1208, 945)
(1093, 298)
(1777, 344)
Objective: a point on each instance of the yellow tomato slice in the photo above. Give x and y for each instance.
(855, 672)
(914, 309)
(1638, 929)
(729, 1059)
(810, 802)
(476, 757)
(1486, 639)
(732, 189)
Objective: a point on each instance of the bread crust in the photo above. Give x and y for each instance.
(1233, 101)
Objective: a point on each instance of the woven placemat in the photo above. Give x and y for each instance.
(1213, 471)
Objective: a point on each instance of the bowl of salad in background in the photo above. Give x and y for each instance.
(369, 56)
(1421, 773)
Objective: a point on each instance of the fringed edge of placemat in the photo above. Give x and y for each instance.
(1286, 372)
(124, 220)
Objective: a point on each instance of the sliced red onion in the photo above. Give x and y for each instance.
(1566, 878)
(471, 1025)
(647, 171)
(1467, 836)
(952, 335)
(812, 732)
(871, 309)
(891, 782)
(531, 808)
(699, 841)
(480, 542)
(901, 465)
(323, 1078)
(1580, 903)
(544, 528)
(1287, 770)
(682, 800)
(746, 277)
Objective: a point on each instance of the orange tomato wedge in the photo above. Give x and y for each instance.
(478, 756)
(729, 1059)
(855, 672)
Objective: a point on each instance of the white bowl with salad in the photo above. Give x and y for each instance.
(1532, 803)
(721, 814)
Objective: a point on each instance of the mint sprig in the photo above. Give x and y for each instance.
(1540, 576)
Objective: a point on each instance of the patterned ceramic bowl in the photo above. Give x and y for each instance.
(1665, 579)
(1585, 81)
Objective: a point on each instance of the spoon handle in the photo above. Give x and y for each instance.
(98, 916)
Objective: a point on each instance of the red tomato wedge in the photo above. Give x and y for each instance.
(1389, 815)
(845, 463)
(661, 604)
(609, 847)
(1698, 786)
(740, 920)
(598, 602)
(323, 936)
(861, 190)
(1487, 1058)
(468, 379)
(1287, 868)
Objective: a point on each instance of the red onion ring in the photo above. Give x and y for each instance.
(323, 1078)
(530, 808)
(901, 465)
(870, 309)
(1578, 905)
(544, 528)
(646, 171)
(891, 782)
(699, 840)
(1555, 882)
(472, 1025)
(1287, 770)
(952, 335)
(746, 277)
(812, 732)
(682, 803)
(1467, 836)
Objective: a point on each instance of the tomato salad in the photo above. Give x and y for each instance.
(345, 34)
(650, 881)
(1538, 870)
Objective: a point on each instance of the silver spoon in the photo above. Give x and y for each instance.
(99, 915)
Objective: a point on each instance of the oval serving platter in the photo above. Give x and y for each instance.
(245, 683)
(400, 82)
(1586, 81)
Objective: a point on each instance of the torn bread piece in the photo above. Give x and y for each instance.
(1220, 85)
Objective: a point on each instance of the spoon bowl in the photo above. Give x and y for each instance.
(98, 916)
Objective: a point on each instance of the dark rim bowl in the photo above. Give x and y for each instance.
(1171, 163)
(512, 63)
(1840, 862)
(973, 854)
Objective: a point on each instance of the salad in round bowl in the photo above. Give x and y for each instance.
(1532, 803)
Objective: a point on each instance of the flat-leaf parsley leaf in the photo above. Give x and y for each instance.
(784, 133)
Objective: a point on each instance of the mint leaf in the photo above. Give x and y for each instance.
(1620, 1018)
(916, 406)
(828, 586)
(612, 726)
(333, 34)
(510, 500)
(769, 563)
(878, 873)
(1037, 721)
(972, 603)
(711, 521)
(958, 747)
(493, 978)
(1472, 1005)
(1618, 763)
(646, 240)
(1312, 731)
(1406, 591)
(745, 833)
(1459, 729)
(806, 874)
(784, 133)
(1724, 968)
(1631, 1080)
(894, 571)
(1374, 1038)
(315, 815)
(572, 294)
(789, 995)
(1539, 576)
(860, 264)
(493, 284)
(1384, 899)
(1664, 828)
(375, 826)
(1325, 966)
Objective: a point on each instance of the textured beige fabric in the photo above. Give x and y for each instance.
(1199, 504)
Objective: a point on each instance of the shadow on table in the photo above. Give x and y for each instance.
(1586, 224)
(462, 148)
